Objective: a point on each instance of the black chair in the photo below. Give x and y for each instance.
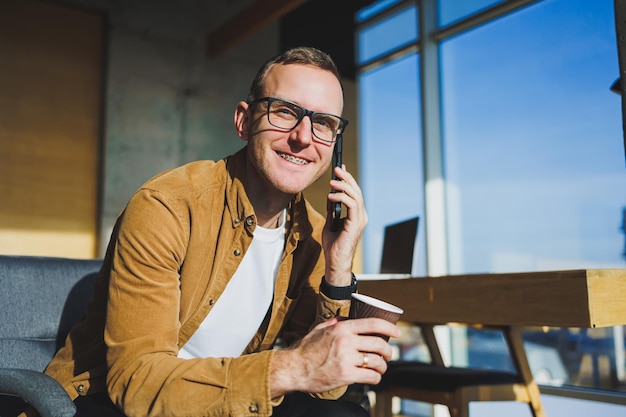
(41, 298)
(455, 387)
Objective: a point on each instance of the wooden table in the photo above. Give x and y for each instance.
(579, 298)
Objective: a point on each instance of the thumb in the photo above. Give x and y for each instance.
(327, 323)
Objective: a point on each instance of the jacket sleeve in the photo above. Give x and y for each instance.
(145, 377)
(314, 305)
(328, 308)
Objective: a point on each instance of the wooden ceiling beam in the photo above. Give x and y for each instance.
(250, 20)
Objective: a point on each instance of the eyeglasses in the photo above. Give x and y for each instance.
(286, 115)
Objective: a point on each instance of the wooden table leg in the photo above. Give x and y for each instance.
(514, 339)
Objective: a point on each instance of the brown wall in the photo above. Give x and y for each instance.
(50, 100)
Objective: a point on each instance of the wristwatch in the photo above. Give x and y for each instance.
(338, 293)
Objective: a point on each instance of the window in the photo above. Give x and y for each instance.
(390, 128)
(532, 151)
(391, 154)
(533, 142)
(380, 37)
(451, 11)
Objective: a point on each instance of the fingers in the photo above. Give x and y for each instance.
(345, 181)
(373, 325)
(371, 361)
(367, 325)
(372, 335)
(329, 322)
(349, 194)
(340, 246)
(370, 368)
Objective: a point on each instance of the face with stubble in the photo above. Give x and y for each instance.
(288, 161)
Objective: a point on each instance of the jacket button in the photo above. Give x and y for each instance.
(81, 388)
(237, 252)
(211, 302)
(249, 221)
(237, 220)
(253, 408)
(327, 315)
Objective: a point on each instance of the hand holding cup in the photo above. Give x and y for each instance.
(363, 306)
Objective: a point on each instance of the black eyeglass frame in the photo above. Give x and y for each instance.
(305, 112)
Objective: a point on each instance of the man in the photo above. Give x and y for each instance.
(213, 262)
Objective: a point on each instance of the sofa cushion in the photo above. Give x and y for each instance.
(41, 298)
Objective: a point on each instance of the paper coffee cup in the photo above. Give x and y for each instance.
(365, 306)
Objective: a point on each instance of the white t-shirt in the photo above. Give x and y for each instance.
(240, 310)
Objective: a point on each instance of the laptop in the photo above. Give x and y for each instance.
(398, 247)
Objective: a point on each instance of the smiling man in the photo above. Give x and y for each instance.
(212, 263)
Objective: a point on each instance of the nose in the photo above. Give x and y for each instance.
(303, 132)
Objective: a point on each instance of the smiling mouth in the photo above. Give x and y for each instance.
(293, 159)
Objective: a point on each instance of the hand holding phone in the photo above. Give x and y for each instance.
(336, 207)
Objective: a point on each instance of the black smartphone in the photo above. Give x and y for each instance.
(336, 207)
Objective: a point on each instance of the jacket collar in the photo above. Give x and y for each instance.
(241, 210)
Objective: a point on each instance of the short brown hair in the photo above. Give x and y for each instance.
(303, 55)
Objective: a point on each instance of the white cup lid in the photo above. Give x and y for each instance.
(377, 303)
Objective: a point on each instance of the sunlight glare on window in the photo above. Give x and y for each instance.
(451, 11)
(374, 9)
(382, 37)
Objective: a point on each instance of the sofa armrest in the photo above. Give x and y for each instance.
(42, 392)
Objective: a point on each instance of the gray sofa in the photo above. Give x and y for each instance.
(41, 298)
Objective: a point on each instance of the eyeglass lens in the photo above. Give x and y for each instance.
(285, 115)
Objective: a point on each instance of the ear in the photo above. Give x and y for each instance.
(242, 120)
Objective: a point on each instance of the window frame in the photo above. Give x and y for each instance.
(430, 35)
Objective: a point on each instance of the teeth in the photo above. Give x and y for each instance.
(293, 159)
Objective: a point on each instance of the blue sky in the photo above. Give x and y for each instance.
(533, 142)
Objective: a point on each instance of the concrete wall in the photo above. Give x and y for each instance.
(166, 102)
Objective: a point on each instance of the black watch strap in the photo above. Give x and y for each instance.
(338, 293)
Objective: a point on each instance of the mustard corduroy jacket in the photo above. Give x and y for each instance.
(173, 250)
